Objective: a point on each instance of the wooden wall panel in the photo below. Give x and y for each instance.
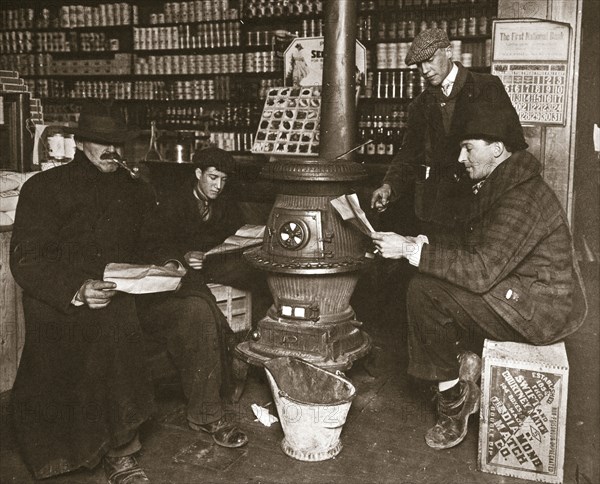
(12, 322)
(554, 146)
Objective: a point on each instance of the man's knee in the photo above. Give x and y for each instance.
(421, 290)
(194, 319)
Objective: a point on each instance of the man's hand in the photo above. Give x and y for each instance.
(195, 259)
(393, 246)
(381, 197)
(96, 294)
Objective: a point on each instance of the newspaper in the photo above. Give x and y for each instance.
(349, 209)
(143, 279)
(246, 236)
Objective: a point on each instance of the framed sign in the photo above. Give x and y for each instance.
(303, 62)
(531, 57)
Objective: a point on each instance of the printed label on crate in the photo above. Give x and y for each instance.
(289, 124)
(523, 410)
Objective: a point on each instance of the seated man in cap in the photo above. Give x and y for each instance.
(505, 272)
(424, 176)
(189, 222)
(82, 388)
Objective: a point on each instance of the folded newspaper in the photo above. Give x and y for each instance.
(143, 279)
(246, 236)
(349, 209)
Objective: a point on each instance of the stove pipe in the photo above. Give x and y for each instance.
(312, 257)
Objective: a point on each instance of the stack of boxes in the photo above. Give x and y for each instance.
(11, 82)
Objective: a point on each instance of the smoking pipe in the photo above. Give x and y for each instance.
(116, 158)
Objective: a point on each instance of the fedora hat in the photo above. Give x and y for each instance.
(102, 122)
(493, 122)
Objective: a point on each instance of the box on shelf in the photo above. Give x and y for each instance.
(523, 410)
(235, 304)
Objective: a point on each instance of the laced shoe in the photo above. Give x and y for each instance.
(453, 416)
(223, 433)
(124, 470)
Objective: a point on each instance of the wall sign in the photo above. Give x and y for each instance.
(304, 62)
(531, 58)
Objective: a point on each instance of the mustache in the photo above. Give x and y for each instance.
(116, 158)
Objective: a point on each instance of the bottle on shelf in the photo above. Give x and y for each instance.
(153, 153)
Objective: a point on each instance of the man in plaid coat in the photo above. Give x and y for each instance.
(505, 272)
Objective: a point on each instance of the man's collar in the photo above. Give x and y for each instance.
(199, 195)
(451, 77)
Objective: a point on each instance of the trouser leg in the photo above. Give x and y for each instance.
(187, 327)
(444, 319)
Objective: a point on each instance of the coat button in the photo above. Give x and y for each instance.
(509, 294)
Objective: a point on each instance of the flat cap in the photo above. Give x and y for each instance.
(425, 44)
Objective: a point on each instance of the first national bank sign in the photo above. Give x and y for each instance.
(531, 57)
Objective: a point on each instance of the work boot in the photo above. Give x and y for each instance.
(453, 415)
(124, 470)
(223, 433)
(470, 366)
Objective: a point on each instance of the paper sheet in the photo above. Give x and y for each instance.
(263, 416)
(349, 209)
(246, 236)
(143, 279)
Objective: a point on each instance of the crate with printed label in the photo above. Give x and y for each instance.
(523, 410)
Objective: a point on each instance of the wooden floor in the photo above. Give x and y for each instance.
(383, 437)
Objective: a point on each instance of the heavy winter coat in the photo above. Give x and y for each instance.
(515, 249)
(81, 387)
(431, 140)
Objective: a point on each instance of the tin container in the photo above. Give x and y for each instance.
(56, 147)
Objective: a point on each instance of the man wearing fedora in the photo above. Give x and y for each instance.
(506, 271)
(83, 387)
(424, 177)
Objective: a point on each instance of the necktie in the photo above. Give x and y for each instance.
(477, 186)
(447, 88)
(204, 209)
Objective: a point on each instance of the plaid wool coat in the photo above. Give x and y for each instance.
(514, 248)
(434, 122)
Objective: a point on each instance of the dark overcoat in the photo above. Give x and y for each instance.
(431, 139)
(81, 387)
(515, 249)
(178, 228)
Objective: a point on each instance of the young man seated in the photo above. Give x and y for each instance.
(506, 272)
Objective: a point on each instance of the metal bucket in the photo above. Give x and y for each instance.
(312, 404)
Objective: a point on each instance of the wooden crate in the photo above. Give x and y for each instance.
(12, 321)
(523, 410)
(235, 304)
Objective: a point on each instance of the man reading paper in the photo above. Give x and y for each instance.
(199, 217)
(82, 389)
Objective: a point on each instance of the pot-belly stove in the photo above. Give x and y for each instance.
(311, 256)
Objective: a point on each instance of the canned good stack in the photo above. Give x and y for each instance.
(192, 90)
(278, 8)
(103, 15)
(227, 34)
(17, 18)
(189, 64)
(16, 42)
(196, 11)
(101, 89)
(150, 90)
(262, 62)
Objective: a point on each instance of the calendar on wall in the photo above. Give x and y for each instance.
(531, 57)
